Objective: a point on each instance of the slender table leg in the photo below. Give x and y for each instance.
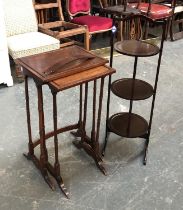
(78, 133)
(40, 164)
(99, 117)
(146, 150)
(43, 150)
(83, 137)
(93, 133)
(154, 94)
(30, 144)
(56, 171)
(107, 132)
(83, 132)
(30, 155)
(91, 146)
(107, 117)
(96, 137)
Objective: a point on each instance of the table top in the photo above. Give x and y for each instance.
(59, 63)
(81, 77)
(136, 48)
(120, 10)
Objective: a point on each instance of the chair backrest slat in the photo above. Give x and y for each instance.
(46, 6)
(40, 8)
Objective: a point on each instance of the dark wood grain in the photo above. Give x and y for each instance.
(60, 63)
(79, 78)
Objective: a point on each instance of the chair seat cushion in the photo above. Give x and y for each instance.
(157, 11)
(94, 23)
(22, 45)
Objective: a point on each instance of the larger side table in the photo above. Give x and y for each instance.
(60, 77)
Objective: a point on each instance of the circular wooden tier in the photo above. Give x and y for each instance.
(128, 125)
(120, 10)
(136, 48)
(132, 89)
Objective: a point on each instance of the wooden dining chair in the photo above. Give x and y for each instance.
(152, 10)
(79, 12)
(119, 8)
(176, 23)
(157, 12)
(175, 10)
(60, 29)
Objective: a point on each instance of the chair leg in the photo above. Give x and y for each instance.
(90, 40)
(176, 20)
(18, 71)
(171, 29)
(145, 151)
(168, 28)
(180, 27)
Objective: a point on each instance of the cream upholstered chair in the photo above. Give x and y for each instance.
(22, 31)
(5, 71)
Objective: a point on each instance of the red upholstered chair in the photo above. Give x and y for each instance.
(154, 11)
(79, 11)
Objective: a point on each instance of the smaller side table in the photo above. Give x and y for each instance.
(129, 124)
(56, 84)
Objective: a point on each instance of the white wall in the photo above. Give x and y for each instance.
(5, 72)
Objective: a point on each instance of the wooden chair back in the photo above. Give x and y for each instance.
(45, 11)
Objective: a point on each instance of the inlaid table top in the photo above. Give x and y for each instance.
(60, 63)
